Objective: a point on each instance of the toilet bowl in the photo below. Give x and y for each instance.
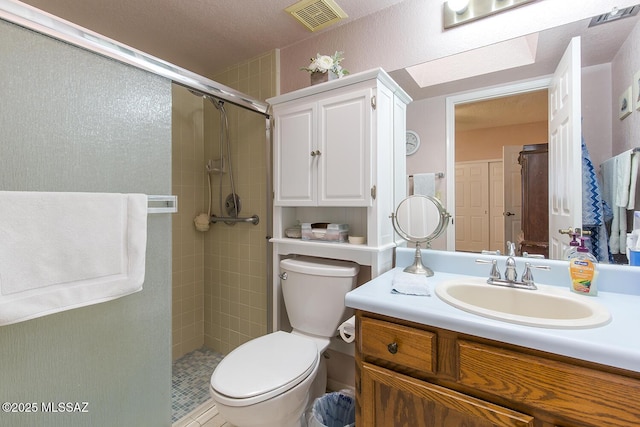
(270, 381)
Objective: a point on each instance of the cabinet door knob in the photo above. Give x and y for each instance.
(393, 347)
(313, 154)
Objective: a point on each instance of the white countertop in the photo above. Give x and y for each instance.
(615, 344)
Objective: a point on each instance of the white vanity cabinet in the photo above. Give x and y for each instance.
(339, 157)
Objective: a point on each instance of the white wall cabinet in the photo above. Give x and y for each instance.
(339, 156)
(322, 151)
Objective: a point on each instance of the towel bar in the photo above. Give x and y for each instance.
(162, 204)
(439, 175)
(252, 219)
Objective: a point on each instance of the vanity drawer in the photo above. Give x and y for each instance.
(409, 347)
(584, 395)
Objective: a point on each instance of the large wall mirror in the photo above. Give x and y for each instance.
(491, 118)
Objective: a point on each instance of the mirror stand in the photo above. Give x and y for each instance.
(418, 267)
(420, 219)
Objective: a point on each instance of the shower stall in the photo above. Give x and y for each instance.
(136, 127)
(220, 274)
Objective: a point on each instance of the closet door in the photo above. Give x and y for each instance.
(472, 206)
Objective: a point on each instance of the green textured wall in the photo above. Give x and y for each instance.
(71, 120)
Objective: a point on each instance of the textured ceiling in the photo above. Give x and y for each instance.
(505, 111)
(203, 36)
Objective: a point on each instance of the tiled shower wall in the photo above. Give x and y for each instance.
(220, 277)
(235, 268)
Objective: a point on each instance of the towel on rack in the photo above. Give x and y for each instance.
(424, 184)
(635, 160)
(60, 251)
(620, 176)
(595, 211)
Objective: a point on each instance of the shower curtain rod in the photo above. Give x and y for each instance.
(37, 20)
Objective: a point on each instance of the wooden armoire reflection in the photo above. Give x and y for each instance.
(534, 161)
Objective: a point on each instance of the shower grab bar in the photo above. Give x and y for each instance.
(162, 204)
(255, 219)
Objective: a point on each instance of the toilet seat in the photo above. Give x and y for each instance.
(263, 368)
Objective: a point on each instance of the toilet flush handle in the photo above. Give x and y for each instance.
(283, 276)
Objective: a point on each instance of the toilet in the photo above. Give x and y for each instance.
(270, 381)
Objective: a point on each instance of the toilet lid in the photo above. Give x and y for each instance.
(264, 367)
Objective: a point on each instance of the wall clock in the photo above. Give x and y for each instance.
(412, 142)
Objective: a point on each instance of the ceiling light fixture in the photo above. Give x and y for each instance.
(456, 12)
(458, 6)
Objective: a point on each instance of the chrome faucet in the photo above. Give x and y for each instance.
(510, 274)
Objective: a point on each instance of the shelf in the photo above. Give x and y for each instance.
(362, 254)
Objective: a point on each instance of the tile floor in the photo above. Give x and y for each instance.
(190, 383)
(205, 415)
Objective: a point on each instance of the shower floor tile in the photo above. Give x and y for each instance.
(190, 381)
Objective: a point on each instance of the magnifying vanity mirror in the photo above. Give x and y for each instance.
(420, 219)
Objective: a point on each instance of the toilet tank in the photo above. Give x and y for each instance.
(314, 290)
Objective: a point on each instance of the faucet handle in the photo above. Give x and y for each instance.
(527, 276)
(528, 255)
(487, 252)
(511, 249)
(495, 273)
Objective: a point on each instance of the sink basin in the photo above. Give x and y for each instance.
(547, 307)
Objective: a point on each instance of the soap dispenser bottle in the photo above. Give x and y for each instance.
(582, 269)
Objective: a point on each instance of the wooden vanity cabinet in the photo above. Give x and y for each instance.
(413, 375)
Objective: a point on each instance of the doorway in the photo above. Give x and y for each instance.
(486, 130)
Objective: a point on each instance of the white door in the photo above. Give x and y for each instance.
(496, 206)
(512, 192)
(565, 132)
(472, 206)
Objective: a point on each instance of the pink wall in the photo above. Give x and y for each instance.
(596, 112)
(626, 133)
(486, 144)
(411, 33)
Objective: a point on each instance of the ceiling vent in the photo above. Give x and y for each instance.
(316, 14)
(614, 15)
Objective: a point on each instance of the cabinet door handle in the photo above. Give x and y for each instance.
(393, 347)
(315, 153)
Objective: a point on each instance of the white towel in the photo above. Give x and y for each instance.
(60, 251)
(424, 184)
(622, 178)
(635, 159)
(410, 284)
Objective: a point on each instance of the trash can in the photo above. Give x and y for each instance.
(337, 409)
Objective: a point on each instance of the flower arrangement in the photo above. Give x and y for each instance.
(326, 63)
